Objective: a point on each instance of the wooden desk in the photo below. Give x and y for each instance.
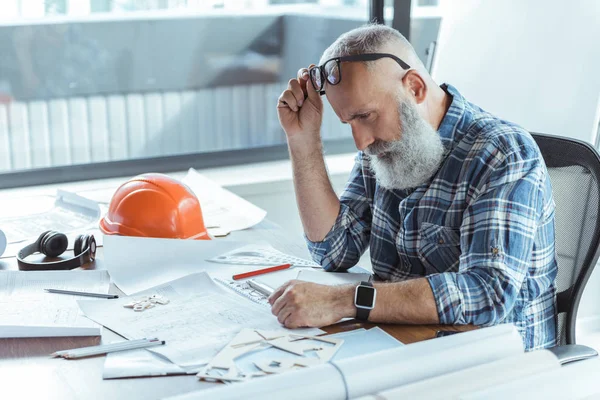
(27, 372)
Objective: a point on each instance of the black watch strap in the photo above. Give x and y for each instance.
(362, 314)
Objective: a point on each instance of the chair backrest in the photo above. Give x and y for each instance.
(574, 169)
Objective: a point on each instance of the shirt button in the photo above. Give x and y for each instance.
(495, 251)
(441, 241)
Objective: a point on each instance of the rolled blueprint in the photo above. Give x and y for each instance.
(371, 373)
(452, 385)
(574, 381)
(2, 242)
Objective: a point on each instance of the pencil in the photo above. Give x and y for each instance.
(108, 348)
(102, 295)
(261, 271)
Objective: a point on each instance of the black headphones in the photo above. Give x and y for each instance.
(53, 244)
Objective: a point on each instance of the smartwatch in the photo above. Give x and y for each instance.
(364, 300)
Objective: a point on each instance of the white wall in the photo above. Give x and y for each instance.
(534, 62)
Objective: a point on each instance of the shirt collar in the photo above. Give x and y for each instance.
(448, 129)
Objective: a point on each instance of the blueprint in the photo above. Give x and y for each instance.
(199, 320)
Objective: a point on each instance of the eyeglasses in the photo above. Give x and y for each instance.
(331, 72)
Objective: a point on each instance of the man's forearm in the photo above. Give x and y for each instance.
(317, 202)
(407, 302)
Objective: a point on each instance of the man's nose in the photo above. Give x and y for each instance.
(362, 138)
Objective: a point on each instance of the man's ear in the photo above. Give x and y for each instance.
(415, 86)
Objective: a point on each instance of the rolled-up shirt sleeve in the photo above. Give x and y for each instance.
(349, 236)
(497, 240)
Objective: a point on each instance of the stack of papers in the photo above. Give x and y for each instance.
(26, 310)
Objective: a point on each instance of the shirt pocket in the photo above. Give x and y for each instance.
(439, 248)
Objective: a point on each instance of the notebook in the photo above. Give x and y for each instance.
(26, 310)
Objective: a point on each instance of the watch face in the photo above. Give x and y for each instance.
(365, 296)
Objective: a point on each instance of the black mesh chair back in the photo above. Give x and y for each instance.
(574, 168)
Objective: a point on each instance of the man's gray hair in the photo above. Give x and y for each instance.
(370, 38)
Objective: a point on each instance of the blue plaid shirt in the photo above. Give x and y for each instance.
(481, 229)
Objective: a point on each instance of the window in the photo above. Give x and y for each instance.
(98, 81)
(110, 81)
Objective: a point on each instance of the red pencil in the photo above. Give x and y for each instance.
(261, 271)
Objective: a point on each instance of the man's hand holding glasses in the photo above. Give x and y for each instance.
(300, 108)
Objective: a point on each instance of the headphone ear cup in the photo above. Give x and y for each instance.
(40, 240)
(77, 246)
(92, 245)
(53, 244)
(84, 242)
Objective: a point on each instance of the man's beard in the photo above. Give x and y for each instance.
(411, 160)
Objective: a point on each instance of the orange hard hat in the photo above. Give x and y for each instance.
(154, 205)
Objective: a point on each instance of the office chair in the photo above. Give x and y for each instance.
(574, 169)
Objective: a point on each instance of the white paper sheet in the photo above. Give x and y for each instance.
(220, 207)
(379, 371)
(137, 263)
(469, 380)
(199, 320)
(141, 362)
(26, 310)
(278, 278)
(331, 278)
(365, 341)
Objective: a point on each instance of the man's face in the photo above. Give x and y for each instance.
(404, 150)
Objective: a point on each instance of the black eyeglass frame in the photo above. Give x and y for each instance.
(356, 57)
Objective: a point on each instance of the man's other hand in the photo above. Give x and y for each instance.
(300, 107)
(305, 304)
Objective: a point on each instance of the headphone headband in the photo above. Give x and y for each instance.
(47, 244)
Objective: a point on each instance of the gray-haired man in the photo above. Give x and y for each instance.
(455, 203)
